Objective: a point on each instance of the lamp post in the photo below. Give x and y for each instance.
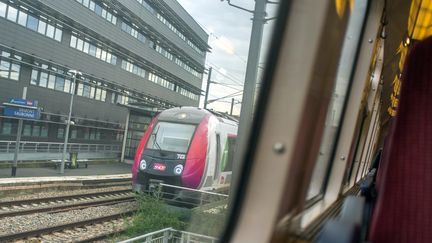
(74, 74)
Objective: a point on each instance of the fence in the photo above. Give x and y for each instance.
(170, 235)
(49, 147)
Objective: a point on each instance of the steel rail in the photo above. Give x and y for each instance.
(56, 228)
(59, 198)
(69, 207)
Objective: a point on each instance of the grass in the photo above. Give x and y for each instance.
(154, 214)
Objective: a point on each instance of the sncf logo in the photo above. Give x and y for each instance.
(160, 167)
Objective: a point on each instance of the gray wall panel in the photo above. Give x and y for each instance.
(87, 18)
(185, 16)
(152, 20)
(16, 36)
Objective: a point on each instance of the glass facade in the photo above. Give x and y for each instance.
(92, 49)
(36, 23)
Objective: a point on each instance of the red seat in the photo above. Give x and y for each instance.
(403, 210)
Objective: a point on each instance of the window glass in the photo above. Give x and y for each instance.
(92, 6)
(4, 69)
(60, 133)
(86, 3)
(42, 27)
(228, 153)
(73, 42)
(58, 34)
(34, 77)
(44, 131)
(337, 102)
(3, 9)
(7, 128)
(171, 137)
(60, 83)
(15, 71)
(22, 18)
(86, 91)
(51, 81)
(67, 86)
(50, 31)
(86, 47)
(36, 131)
(26, 130)
(12, 13)
(80, 89)
(92, 50)
(32, 23)
(80, 44)
(98, 10)
(74, 133)
(43, 79)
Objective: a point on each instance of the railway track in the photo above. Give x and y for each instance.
(46, 232)
(61, 203)
(77, 204)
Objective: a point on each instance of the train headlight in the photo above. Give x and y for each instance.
(178, 169)
(143, 165)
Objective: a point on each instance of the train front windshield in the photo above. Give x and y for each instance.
(169, 136)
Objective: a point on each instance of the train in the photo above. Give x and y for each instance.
(186, 147)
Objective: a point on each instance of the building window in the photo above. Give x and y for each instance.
(8, 67)
(161, 81)
(133, 32)
(92, 50)
(3, 8)
(12, 14)
(36, 131)
(22, 18)
(35, 23)
(74, 133)
(26, 130)
(102, 12)
(60, 133)
(7, 128)
(133, 68)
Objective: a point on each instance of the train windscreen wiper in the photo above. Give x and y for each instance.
(155, 139)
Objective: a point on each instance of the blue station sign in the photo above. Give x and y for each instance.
(22, 108)
(23, 102)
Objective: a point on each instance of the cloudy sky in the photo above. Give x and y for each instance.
(229, 32)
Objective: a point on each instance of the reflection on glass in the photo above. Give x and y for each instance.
(337, 103)
(22, 19)
(32, 23)
(3, 9)
(12, 14)
(171, 137)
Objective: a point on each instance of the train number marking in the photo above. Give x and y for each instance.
(181, 156)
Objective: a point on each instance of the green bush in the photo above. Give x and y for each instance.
(154, 215)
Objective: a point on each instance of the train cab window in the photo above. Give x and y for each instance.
(171, 137)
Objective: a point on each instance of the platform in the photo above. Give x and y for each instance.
(92, 170)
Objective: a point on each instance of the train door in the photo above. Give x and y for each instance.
(216, 172)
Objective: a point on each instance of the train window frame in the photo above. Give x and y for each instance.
(345, 73)
(297, 78)
(284, 204)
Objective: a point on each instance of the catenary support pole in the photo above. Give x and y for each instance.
(207, 88)
(248, 100)
(62, 166)
(125, 137)
(18, 139)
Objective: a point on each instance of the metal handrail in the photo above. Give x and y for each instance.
(31, 146)
(167, 235)
(194, 190)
